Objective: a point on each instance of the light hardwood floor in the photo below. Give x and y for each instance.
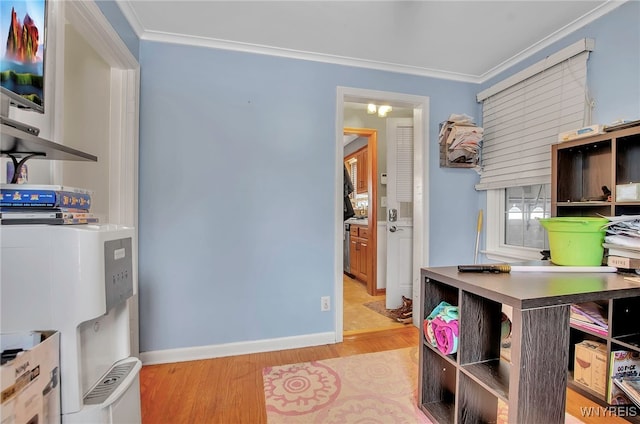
(230, 390)
(358, 318)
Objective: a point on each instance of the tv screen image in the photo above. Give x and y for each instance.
(22, 52)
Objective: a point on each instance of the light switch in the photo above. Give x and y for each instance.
(383, 178)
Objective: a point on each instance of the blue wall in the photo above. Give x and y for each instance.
(237, 165)
(236, 180)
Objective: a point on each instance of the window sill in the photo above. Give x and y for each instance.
(512, 255)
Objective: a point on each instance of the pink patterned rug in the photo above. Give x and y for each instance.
(374, 388)
(370, 388)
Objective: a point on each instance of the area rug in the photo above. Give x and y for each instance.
(372, 388)
(380, 307)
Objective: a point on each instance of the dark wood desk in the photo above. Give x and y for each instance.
(464, 387)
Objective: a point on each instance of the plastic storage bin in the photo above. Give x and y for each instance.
(575, 241)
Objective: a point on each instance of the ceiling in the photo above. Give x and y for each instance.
(460, 40)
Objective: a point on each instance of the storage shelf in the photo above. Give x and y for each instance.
(452, 358)
(440, 412)
(580, 169)
(585, 391)
(18, 143)
(587, 331)
(631, 341)
(492, 375)
(577, 204)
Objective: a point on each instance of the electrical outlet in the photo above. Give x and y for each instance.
(325, 303)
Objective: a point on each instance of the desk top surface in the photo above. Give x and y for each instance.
(526, 290)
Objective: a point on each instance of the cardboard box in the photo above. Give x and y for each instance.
(628, 192)
(623, 363)
(590, 367)
(31, 380)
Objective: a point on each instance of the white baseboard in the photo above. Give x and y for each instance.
(238, 348)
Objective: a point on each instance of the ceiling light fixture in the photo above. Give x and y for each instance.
(371, 108)
(383, 110)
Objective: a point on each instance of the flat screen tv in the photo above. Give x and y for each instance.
(22, 53)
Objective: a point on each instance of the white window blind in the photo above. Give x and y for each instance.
(404, 163)
(522, 121)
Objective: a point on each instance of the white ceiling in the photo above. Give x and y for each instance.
(461, 40)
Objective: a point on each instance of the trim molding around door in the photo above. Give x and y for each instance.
(372, 188)
(420, 105)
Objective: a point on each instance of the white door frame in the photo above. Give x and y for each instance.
(420, 105)
(87, 19)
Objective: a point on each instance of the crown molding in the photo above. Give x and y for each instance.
(302, 55)
(171, 38)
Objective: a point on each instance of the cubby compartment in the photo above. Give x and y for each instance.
(627, 159)
(627, 208)
(592, 209)
(437, 399)
(434, 294)
(477, 405)
(578, 365)
(583, 170)
(480, 355)
(624, 363)
(591, 317)
(624, 329)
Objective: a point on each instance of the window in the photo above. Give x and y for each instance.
(525, 204)
(522, 117)
(513, 231)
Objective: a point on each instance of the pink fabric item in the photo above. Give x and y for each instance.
(446, 335)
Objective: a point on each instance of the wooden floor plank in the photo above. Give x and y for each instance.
(229, 390)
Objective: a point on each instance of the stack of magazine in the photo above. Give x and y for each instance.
(623, 241)
(45, 204)
(630, 386)
(590, 316)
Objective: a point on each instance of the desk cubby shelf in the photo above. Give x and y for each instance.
(467, 386)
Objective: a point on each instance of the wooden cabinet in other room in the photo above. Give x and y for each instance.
(361, 159)
(359, 252)
(359, 175)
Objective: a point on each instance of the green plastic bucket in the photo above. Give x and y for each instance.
(575, 241)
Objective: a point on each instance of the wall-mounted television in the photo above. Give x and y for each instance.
(22, 53)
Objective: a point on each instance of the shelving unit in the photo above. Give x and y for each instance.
(579, 170)
(465, 387)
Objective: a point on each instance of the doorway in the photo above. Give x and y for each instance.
(418, 107)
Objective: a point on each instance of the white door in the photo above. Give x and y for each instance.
(399, 232)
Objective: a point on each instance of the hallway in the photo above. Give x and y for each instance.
(359, 318)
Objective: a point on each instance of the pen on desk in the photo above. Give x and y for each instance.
(504, 268)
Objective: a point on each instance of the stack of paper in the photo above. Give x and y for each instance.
(623, 241)
(461, 139)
